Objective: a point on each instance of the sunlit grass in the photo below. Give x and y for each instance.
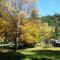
(41, 53)
(31, 54)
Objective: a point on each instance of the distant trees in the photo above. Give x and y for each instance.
(53, 21)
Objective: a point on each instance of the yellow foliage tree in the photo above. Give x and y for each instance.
(48, 30)
(5, 28)
(32, 31)
(29, 32)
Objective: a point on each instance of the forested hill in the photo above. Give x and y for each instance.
(54, 21)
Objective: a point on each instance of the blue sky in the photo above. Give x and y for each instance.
(48, 7)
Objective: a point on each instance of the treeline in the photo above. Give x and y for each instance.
(54, 21)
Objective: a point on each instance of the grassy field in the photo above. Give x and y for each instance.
(31, 54)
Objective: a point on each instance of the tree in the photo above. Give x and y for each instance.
(5, 28)
(53, 21)
(29, 32)
(15, 11)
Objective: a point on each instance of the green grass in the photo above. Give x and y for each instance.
(31, 54)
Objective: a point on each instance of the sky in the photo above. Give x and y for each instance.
(48, 7)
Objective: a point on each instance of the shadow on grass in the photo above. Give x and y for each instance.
(41, 59)
(11, 55)
(48, 52)
(39, 55)
(46, 55)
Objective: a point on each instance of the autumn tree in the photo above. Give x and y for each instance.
(15, 11)
(29, 32)
(46, 33)
(5, 28)
(16, 14)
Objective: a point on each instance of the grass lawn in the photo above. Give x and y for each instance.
(31, 54)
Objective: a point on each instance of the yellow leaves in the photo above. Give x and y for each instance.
(30, 32)
(47, 35)
(1, 40)
(33, 31)
(28, 37)
(3, 23)
(47, 30)
(29, 26)
(4, 26)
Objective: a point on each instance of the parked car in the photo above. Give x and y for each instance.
(55, 43)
